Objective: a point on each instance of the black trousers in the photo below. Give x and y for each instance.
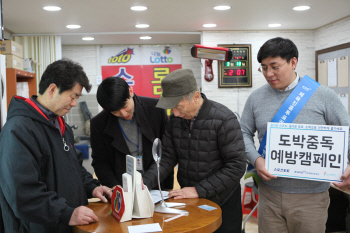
(232, 214)
(2, 229)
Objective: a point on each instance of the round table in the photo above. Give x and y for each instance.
(199, 220)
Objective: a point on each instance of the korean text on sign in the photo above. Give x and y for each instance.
(314, 152)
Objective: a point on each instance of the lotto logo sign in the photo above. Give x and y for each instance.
(122, 57)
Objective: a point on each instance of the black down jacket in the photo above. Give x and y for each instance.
(210, 157)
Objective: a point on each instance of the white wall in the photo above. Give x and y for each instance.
(307, 41)
(88, 57)
(235, 98)
(333, 34)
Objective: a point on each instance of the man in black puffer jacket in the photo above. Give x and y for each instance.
(204, 138)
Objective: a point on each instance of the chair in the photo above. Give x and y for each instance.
(248, 191)
(253, 211)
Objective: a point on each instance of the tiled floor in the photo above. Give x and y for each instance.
(251, 225)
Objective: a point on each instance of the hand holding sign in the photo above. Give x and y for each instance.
(262, 172)
(345, 185)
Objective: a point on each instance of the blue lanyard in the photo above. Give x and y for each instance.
(138, 138)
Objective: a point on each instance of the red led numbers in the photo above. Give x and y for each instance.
(235, 72)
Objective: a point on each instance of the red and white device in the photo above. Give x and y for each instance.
(210, 53)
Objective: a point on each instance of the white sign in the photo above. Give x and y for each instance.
(116, 55)
(310, 152)
(161, 54)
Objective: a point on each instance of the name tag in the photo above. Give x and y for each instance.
(139, 162)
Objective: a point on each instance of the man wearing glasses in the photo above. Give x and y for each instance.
(287, 204)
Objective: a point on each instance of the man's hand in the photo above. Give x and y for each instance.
(102, 191)
(262, 172)
(82, 216)
(345, 185)
(187, 192)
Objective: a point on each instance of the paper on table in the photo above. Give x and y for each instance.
(154, 227)
(94, 199)
(155, 194)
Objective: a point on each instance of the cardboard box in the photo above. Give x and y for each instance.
(9, 47)
(29, 65)
(15, 62)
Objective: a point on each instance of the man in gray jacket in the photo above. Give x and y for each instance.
(287, 204)
(204, 138)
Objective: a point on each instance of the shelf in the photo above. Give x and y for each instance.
(13, 76)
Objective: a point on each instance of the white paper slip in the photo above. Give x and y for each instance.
(155, 194)
(138, 181)
(154, 227)
(127, 182)
(207, 207)
(175, 217)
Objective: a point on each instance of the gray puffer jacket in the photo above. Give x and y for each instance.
(211, 156)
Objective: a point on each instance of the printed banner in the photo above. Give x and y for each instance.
(142, 67)
(311, 152)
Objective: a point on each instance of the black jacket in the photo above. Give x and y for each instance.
(109, 148)
(40, 183)
(211, 156)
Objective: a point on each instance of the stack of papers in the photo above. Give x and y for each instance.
(156, 197)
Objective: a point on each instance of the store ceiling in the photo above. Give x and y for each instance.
(171, 21)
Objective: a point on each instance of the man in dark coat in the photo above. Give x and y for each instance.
(43, 185)
(204, 138)
(128, 125)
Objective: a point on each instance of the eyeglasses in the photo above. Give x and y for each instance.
(273, 69)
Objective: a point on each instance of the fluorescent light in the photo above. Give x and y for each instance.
(209, 25)
(222, 8)
(73, 26)
(138, 8)
(88, 38)
(274, 25)
(301, 8)
(52, 8)
(145, 37)
(142, 25)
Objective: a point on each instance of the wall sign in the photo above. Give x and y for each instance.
(237, 72)
(142, 67)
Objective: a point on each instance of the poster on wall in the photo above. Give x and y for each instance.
(142, 67)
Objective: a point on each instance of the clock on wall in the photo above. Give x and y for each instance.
(237, 72)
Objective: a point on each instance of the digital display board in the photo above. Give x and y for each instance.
(236, 72)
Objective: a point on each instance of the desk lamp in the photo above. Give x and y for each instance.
(164, 207)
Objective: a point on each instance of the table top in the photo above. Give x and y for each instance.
(199, 220)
